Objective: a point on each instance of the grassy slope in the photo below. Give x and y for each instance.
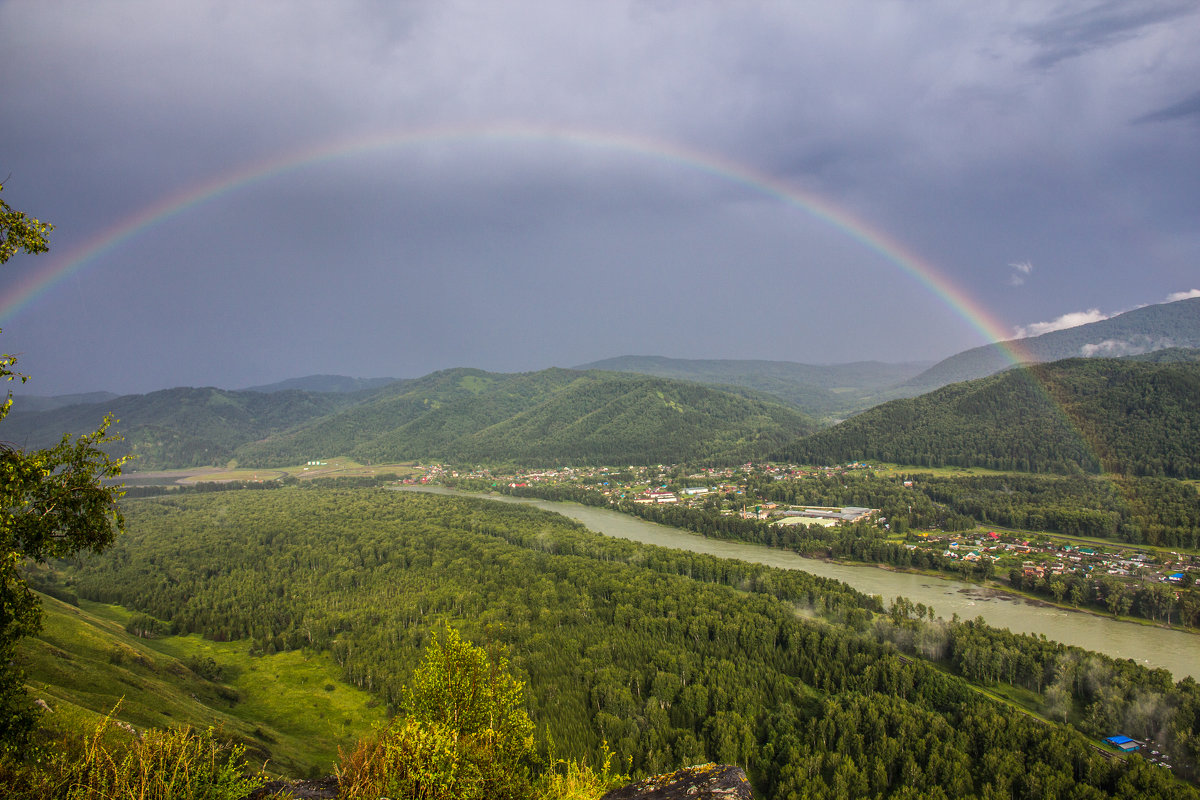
(290, 709)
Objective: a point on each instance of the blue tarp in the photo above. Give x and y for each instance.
(1118, 740)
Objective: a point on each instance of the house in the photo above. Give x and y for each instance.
(1123, 743)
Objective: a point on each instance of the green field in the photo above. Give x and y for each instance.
(291, 710)
(332, 468)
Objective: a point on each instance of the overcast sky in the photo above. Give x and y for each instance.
(551, 183)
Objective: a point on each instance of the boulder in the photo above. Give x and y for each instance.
(320, 789)
(705, 782)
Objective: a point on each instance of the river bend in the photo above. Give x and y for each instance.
(1178, 651)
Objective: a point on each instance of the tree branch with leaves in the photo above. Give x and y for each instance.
(53, 502)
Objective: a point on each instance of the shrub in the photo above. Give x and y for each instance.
(464, 733)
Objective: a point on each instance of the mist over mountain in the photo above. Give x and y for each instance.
(322, 383)
(1143, 330)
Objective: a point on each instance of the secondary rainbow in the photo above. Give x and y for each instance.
(42, 279)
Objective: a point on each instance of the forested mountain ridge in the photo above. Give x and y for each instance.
(816, 389)
(35, 402)
(1143, 330)
(552, 416)
(182, 427)
(1074, 415)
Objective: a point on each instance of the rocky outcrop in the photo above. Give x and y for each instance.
(320, 789)
(706, 782)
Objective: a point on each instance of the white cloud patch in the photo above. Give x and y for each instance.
(1020, 271)
(1171, 298)
(1072, 320)
(1133, 346)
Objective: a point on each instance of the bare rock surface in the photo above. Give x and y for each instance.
(705, 782)
(320, 789)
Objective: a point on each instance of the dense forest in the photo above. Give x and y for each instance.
(550, 417)
(1078, 415)
(671, 657)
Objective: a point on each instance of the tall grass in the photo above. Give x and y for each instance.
(107, 764)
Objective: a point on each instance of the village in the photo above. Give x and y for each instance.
(1034, 555)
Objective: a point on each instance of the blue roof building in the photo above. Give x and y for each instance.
(1123, 743)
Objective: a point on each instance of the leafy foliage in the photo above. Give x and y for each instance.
(52, 504)
(21, 232)
(465, 733)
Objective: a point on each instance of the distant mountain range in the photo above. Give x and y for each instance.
(823, 391)
(554, 416)
(322, 383)
(1143, 330)
(44, 403)
(649, 409)
(1076, 415)
(181, 427)
(548, 417)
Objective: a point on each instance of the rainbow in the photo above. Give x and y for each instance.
(51, 271)
(48, 272)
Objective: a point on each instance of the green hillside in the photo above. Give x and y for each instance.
(292, 711)
(181, 427)
(817, 389)
(1069, 416)
(1143, 330)
(552, 416)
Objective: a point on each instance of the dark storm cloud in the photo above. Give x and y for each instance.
(1188, 107)
(1076, 31)
(979, 137)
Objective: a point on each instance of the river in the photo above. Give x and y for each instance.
(1178, 651)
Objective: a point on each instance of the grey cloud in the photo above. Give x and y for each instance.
(1188, 107)
(924, 123)
(1076, 32)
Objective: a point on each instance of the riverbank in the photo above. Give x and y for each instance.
(1149, 645)
(1003, 588)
